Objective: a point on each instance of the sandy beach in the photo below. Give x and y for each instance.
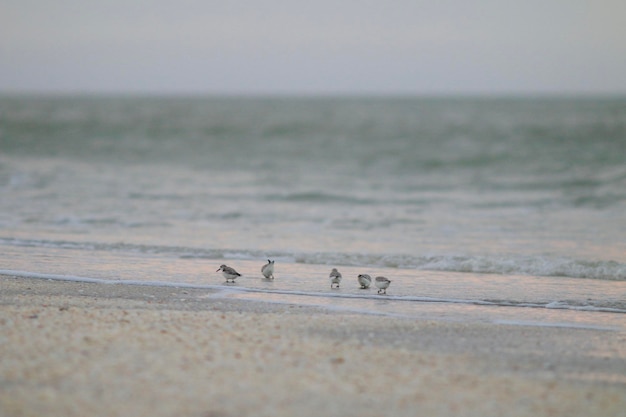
(83, 349)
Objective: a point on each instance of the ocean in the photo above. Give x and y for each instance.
(499, 210)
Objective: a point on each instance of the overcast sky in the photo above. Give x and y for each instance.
(314, 46)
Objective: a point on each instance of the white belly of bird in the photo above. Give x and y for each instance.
(268, 270)
(382, 284)
(229, 276)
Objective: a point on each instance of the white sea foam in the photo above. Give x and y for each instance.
(557, 325)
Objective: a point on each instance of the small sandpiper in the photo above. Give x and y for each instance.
(365, 281)
(268, 270)
(229, 273)
(382, 283)
(335, 278)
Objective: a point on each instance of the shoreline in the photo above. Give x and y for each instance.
(76, 348)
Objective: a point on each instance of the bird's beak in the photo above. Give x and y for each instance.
(218, 269)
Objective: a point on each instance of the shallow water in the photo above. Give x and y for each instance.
(493, 298)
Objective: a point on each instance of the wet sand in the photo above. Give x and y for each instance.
(79, 349)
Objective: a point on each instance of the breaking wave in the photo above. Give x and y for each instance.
(513, 265)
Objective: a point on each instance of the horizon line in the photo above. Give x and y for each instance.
(310, 94)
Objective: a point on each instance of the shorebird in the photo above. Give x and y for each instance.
(268, 270)
(335, 278)
(229, 273)
(382, 283)
(365, 281)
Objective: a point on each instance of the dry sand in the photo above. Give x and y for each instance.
(79, 349)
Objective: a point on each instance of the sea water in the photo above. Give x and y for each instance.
(506, 210)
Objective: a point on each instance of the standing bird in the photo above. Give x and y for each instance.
(268, 270)
(365, 281)
(382, 283)
(335, 278)
(229, 273)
